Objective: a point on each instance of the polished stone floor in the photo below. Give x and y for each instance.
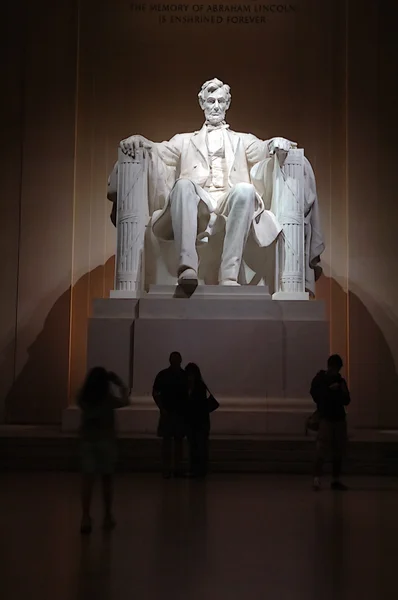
(234, 537)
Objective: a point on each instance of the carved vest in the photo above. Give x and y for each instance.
(218, 177)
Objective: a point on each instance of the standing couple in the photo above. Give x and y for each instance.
(185, 404)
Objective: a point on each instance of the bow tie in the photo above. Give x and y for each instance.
(221, 125)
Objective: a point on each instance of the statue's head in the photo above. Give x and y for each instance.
(214, 100)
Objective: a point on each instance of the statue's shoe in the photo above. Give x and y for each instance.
(229, 282)
(189, 278)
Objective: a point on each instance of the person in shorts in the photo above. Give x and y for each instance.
(98, 439)
(170, 392)
(330, 393)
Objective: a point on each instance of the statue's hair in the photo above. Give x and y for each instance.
(211, 86)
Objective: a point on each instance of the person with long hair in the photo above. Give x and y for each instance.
(200, 404)
(98, 439)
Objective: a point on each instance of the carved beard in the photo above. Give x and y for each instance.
(219, 118)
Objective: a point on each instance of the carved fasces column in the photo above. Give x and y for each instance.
(290, 250)
(132, 218)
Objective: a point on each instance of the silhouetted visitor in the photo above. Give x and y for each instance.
(170, 392)
(330, 393)
(200, 404)
(98, 439)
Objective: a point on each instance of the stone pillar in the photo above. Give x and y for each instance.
(290, 250)
(132, 218)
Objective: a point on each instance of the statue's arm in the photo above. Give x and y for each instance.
(256, 149)
(170, 151)
(137, 146)
(162, 158)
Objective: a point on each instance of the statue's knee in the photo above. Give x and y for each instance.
(245, 188)
(183, 191)
(184, 185)
(244, 194)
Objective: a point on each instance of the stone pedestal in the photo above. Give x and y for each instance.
(257, 355)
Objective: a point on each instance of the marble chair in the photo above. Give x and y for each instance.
(142, 260)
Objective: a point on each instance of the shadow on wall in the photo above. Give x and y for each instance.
(40, 391)
(372, 369)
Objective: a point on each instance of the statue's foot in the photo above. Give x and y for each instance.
(229, 282)
(188, 278)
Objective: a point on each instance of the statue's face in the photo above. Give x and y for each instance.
(215, 106)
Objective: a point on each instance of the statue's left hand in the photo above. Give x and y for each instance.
(280, 143)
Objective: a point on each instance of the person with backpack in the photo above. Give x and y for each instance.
(330, 393)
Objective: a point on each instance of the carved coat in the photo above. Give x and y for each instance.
(186, 156)
(187, 153)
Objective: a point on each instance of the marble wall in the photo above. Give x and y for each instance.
(82, 74)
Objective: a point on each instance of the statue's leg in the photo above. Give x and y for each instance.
(238, 210)
(185, 216)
